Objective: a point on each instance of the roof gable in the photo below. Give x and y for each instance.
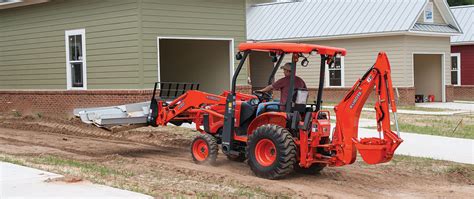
(333, 18)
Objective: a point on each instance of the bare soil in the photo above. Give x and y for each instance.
(157, 161)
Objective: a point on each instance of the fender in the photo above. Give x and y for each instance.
(276, 118)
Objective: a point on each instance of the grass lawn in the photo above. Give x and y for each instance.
(113, 175)
(460, 126)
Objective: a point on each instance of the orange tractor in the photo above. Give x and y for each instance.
(298, 135)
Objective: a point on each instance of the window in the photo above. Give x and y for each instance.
(76, 59)
(456, 69)
(335, 73)
(429, 13)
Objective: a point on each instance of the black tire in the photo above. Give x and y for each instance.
(237, 158)
(204, 142)
(285, 150)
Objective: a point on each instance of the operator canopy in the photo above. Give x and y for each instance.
(292, 48)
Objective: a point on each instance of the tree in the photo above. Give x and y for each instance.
(460, 2)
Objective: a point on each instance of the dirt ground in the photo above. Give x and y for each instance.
(157, 161)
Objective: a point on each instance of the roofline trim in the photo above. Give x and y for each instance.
(21, 3)
(462, 43)
(463, 6)
(364, 35)
(433, 33)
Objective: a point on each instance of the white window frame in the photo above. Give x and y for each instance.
(68, 33)
(10, 2)
(458, 55)
(428, 8)
(326, 81)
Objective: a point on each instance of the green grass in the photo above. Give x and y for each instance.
(437, 167)
(416, 108)
(8, 159)
(448, 126)
(83, 166)
(440, 128)
(413, 108)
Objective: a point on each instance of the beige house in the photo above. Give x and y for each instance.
(415, 34)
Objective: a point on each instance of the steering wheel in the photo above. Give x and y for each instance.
(263, 96)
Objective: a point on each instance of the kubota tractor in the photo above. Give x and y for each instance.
(297, 136)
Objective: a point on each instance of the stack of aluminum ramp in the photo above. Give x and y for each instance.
(136, 113)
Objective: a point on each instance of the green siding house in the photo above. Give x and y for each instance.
(101, 52)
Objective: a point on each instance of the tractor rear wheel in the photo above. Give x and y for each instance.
(204, 149)
(271, 152)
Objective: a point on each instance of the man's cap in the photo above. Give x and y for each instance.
(287, 66)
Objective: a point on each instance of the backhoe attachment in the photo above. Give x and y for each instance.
(373, 150)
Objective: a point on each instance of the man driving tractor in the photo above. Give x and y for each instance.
(283, 85)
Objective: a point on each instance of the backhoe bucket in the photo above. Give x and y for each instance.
(377, 150)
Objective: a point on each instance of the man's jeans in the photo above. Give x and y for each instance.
(272, 106)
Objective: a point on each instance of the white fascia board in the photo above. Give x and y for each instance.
(355, 36)
(464, 43)
(364, 35)
(435, 34)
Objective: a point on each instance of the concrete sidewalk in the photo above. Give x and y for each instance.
(431, 146)
(23, 182)
(447, 112)
(462, 106)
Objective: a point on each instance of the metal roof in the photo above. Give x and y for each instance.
(328, 18)
(434, 28)
(465, 17)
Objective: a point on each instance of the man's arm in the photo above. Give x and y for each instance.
(266, 89)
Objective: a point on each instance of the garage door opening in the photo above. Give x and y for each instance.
(208, 62)
(428, 77)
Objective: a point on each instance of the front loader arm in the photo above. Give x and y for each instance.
(190, 100)
(345, 138)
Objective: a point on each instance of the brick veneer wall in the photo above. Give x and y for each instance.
(449, 93)
(244, 89)
(62, 103)
(465, 92)
(334, 95)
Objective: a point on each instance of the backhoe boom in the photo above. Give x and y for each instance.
(345, 138)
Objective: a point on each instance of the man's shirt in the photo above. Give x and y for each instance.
(283, 85)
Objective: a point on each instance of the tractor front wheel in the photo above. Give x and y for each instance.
(204, 149)
(271, 152)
